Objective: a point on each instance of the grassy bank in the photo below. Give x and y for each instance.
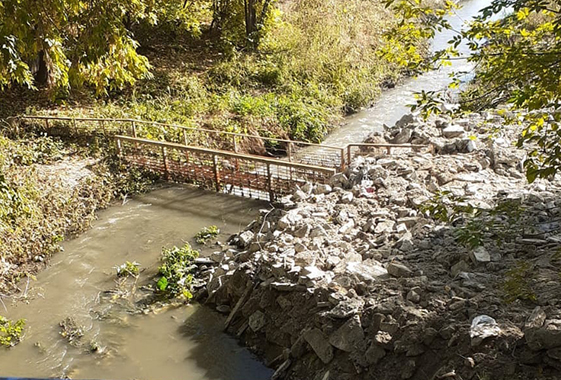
(315, 62)
(50, 190)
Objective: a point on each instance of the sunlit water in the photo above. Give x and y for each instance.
(182, 343)
(392, 104)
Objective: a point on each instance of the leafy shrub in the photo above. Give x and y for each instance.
(38, 208)
(471, 235)
(131, 180)
(359, 95)
(446, 207)
(499, 223)
(206, 234)
(269, 74)
(13, 204)
(253, 105)
(308, 63)
(308, 122)
(10, 331)
(176, 271)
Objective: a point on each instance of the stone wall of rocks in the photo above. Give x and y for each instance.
(354, 281)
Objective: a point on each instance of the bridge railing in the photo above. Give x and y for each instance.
(228, 172)
(364, 149)
(292, 151)
(323, 155)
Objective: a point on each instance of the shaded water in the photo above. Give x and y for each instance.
(392, 104)
(181, 343)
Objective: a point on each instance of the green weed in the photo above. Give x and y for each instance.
(176, 271)
(446, 207)
(206, 234)
(11, 332)
(127, 269)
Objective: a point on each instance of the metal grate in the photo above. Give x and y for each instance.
(240, 174)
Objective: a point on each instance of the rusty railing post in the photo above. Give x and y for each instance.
(216, 176)
(184, 137)
(119, 147)
(165, 159)
(270, 183)
(46, 124)
(389, 150)
(289, 152)
(349, 154)
(342, 159)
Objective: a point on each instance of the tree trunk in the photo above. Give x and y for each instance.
(41, 72)
(250, 17)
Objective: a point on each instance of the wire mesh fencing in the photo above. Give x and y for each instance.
(240, 174)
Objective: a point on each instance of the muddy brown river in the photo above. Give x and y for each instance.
(173, 344)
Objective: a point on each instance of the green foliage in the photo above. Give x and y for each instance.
(303, 65)
(241, 22)
(185, 16)
(127, 180)
(427, 103)
(499, 223)
(518, 62)
(515, 46)
(206, 234)
(71, 42)
(518, 283)
(176, 271)
(471, 235)
(519, 51)
(446, 207)
(11, 332)
(36, 150)
(542, 134)
(127, 269)
(418, 21)
(474, 224)
(38, 207)
(13, 204)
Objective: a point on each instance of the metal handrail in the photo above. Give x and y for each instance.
(228, 154)
(160, 124)
(343, 161)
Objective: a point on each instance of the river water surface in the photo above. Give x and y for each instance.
(182, 343)
(392, 103)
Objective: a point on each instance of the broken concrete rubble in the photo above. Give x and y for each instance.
(356, 280)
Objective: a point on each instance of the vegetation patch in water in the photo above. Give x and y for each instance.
(11, 332)
(127, 269)
(206, 234)
(177, 271)
(71, 331)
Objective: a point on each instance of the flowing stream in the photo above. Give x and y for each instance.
(180, 343)
(392, 103)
